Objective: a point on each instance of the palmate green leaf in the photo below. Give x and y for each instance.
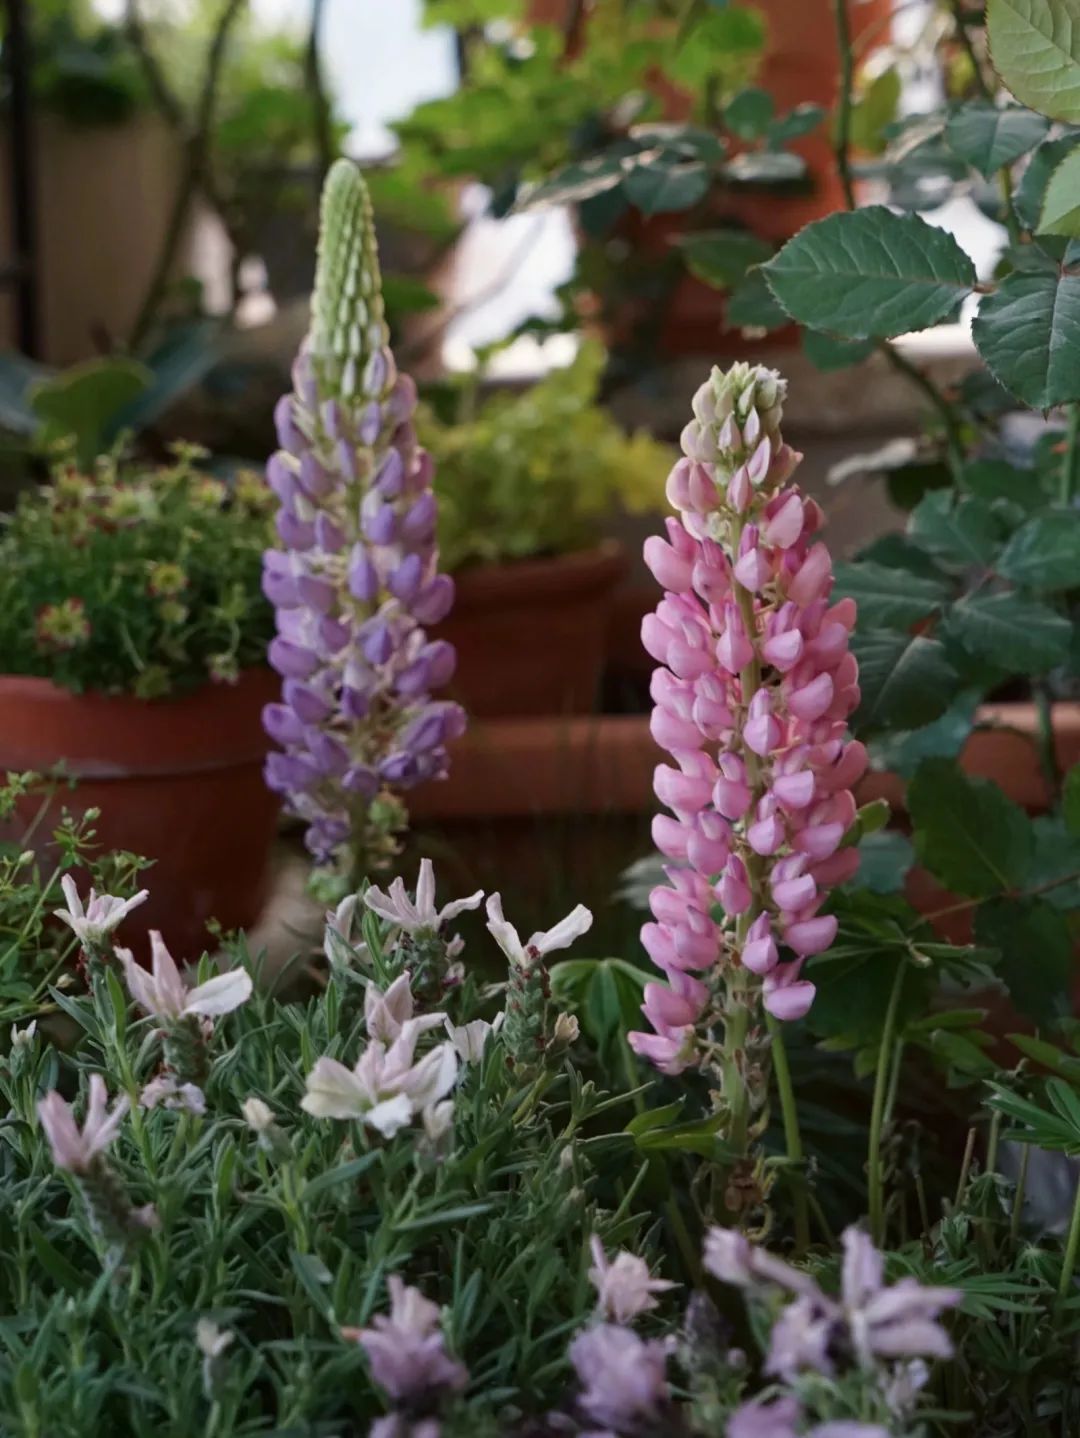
(1060, 213)
(1047, 1055)
(1035, 47)
(888, 598)
(870, 273)
(962, 532)
(1028, 333)
(1036, 954)
(990, 137)
(1018, 634)
(906, 681)
(972, 838)
(1044, 553)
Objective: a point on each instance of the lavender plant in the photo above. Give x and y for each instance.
(355, 578)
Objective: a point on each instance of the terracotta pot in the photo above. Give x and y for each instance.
(178, 781)
(531, 636)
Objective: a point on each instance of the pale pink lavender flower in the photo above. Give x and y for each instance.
(623, 1377)
(419, 916)
(163, 993)
(341, 942)
(470, 1039)
(387, 1013)
(388, 1087)
(876, 1322)
(102, 915)
(624, 1286)
(258, 1116)
(396, 1425)
(752, 700)
(168, 1091)
(539, 945)
(74, 1148)
(407, 1350)
(782, 1418)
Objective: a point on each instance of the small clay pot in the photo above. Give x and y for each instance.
(177, 780)
(531, 637)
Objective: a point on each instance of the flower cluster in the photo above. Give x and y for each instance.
(356, 579)
(752, 698)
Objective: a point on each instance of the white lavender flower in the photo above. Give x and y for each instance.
(102, 915)
(388, 1087)
(421, 916)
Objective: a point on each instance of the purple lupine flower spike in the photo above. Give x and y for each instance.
(356, 578)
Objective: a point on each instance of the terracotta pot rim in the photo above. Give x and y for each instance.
(36, 686)
(529, 581)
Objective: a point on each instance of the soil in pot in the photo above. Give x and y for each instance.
(531, 636)
(178, 781)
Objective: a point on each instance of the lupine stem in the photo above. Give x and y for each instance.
(1072, 1247)
(792, 1136)
(875, 1176)
(1069, 464)
(1018, 1196)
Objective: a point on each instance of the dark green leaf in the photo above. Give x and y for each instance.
(942, 739)
(884, 860)
(996, 479)
(959, 531)
(827, 354)
(660, 187)
(796, 123)
(1017, 634)
(764, 167)
(990, 137)
(749, 113)
(1036, 954)
(972, 838)
(906, 681)
(751, 306)
(1061, 203)
(888, 598)
(722, 257)
(575, 182)
(870, 272)
(1070, 804)
(1045, 552)
(1028, 333)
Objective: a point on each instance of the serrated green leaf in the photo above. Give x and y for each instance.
(1035, 45)
(1060, 213)
(997, 479)
(796, 123)
(972, 838)
(749, 113)
(1017, 634)
(870, 273)
(1028, 333)
(906, 681)
(661, 187)
(888, 598)
(1030, 192)
(962, 531)
(990, 137)
(1044, 553)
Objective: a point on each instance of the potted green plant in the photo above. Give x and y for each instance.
(132, 653)
(528, 482)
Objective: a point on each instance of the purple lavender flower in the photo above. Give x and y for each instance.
(407, 1351)
(623, 1378)
(356, 578)
(781, 1419)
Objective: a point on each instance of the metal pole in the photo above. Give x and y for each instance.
(23, 195)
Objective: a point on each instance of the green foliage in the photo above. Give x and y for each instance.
(1036, 51)
(126, 578)
(537, 473)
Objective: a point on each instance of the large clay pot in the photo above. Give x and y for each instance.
(178, 781)
(531, 636)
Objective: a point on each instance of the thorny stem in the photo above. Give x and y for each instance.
(875, 1175)
(842, 156)
(792, 1136)
(1044, 715)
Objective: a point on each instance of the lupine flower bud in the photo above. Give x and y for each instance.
(752, 699)
(357, 578)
